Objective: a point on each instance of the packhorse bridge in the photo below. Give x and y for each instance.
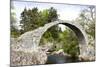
(29, 41)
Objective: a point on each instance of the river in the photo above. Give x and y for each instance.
(56, 59)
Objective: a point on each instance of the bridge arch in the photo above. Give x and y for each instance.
(78, 30)
(30, 40)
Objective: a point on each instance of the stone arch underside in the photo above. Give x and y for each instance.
(30, 40)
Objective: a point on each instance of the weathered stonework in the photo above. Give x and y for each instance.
(29, 41)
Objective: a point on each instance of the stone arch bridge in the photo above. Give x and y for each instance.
(30, 40)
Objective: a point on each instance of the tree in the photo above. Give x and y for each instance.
(52, 14)
(87, 20)
(29, 19)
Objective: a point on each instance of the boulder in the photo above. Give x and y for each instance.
(27, 58)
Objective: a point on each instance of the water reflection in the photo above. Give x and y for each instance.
(58, 59)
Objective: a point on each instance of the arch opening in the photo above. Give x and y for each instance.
(66, 41)
(82, 41)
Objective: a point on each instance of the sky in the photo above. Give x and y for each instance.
(65, 11)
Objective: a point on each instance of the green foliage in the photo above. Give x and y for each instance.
(15, 33)
(65, 40)
(32, 18)
(29, 19)
(52, 14)
(69, 42)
